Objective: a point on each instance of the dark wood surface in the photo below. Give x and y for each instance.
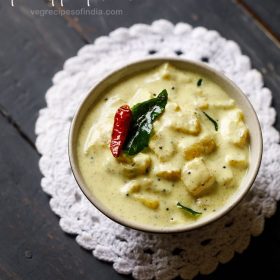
(32, 49)
(266, 12)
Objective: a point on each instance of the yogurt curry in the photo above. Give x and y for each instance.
(164, 147)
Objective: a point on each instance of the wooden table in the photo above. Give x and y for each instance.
(32, 49)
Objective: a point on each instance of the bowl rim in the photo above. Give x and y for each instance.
(146, 228)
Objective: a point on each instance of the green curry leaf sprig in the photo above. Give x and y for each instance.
(188, 210)
(212, 120)
(143, 116)
(133, 127)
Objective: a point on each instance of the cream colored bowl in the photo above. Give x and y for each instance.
(231, 89)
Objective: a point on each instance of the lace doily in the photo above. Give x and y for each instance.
(143, 255)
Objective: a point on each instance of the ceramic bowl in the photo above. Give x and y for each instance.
(230, 88)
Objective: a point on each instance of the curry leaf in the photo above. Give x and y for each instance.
(199, 82)
(143, 116)
(188, 210)
(212, 120)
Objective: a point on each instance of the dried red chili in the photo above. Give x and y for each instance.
(121, 126)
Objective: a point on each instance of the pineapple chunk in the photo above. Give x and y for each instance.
(135, 186)
(98, 137)
(202, 202)
(234, 129)
(100, 132)
(204, 146)
(111, 165)
(225, 104)
(149, 202)
(162, 145)
(201, 101)
(237, 160)
(141, 95)
(159, 188)
(128, 166)
(186, 122)
(184, 78)
(168, 172)
(123, 158)
(167, 72)
(172, 107)
(224, 177)
(196, 177)
(138, 165)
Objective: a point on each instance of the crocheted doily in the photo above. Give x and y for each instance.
(143, 255)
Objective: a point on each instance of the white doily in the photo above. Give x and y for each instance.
(143, 255)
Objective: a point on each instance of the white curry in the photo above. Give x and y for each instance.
(188, 159)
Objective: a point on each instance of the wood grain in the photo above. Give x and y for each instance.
(32, 246)
(43, 49)
(32, 49)
(226, 17)
(266, 13)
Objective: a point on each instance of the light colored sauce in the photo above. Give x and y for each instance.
(187, 160)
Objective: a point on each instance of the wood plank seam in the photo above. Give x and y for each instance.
(263, 26)
(72, 23)
(10, 120)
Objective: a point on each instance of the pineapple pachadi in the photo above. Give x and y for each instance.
(197, 154)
